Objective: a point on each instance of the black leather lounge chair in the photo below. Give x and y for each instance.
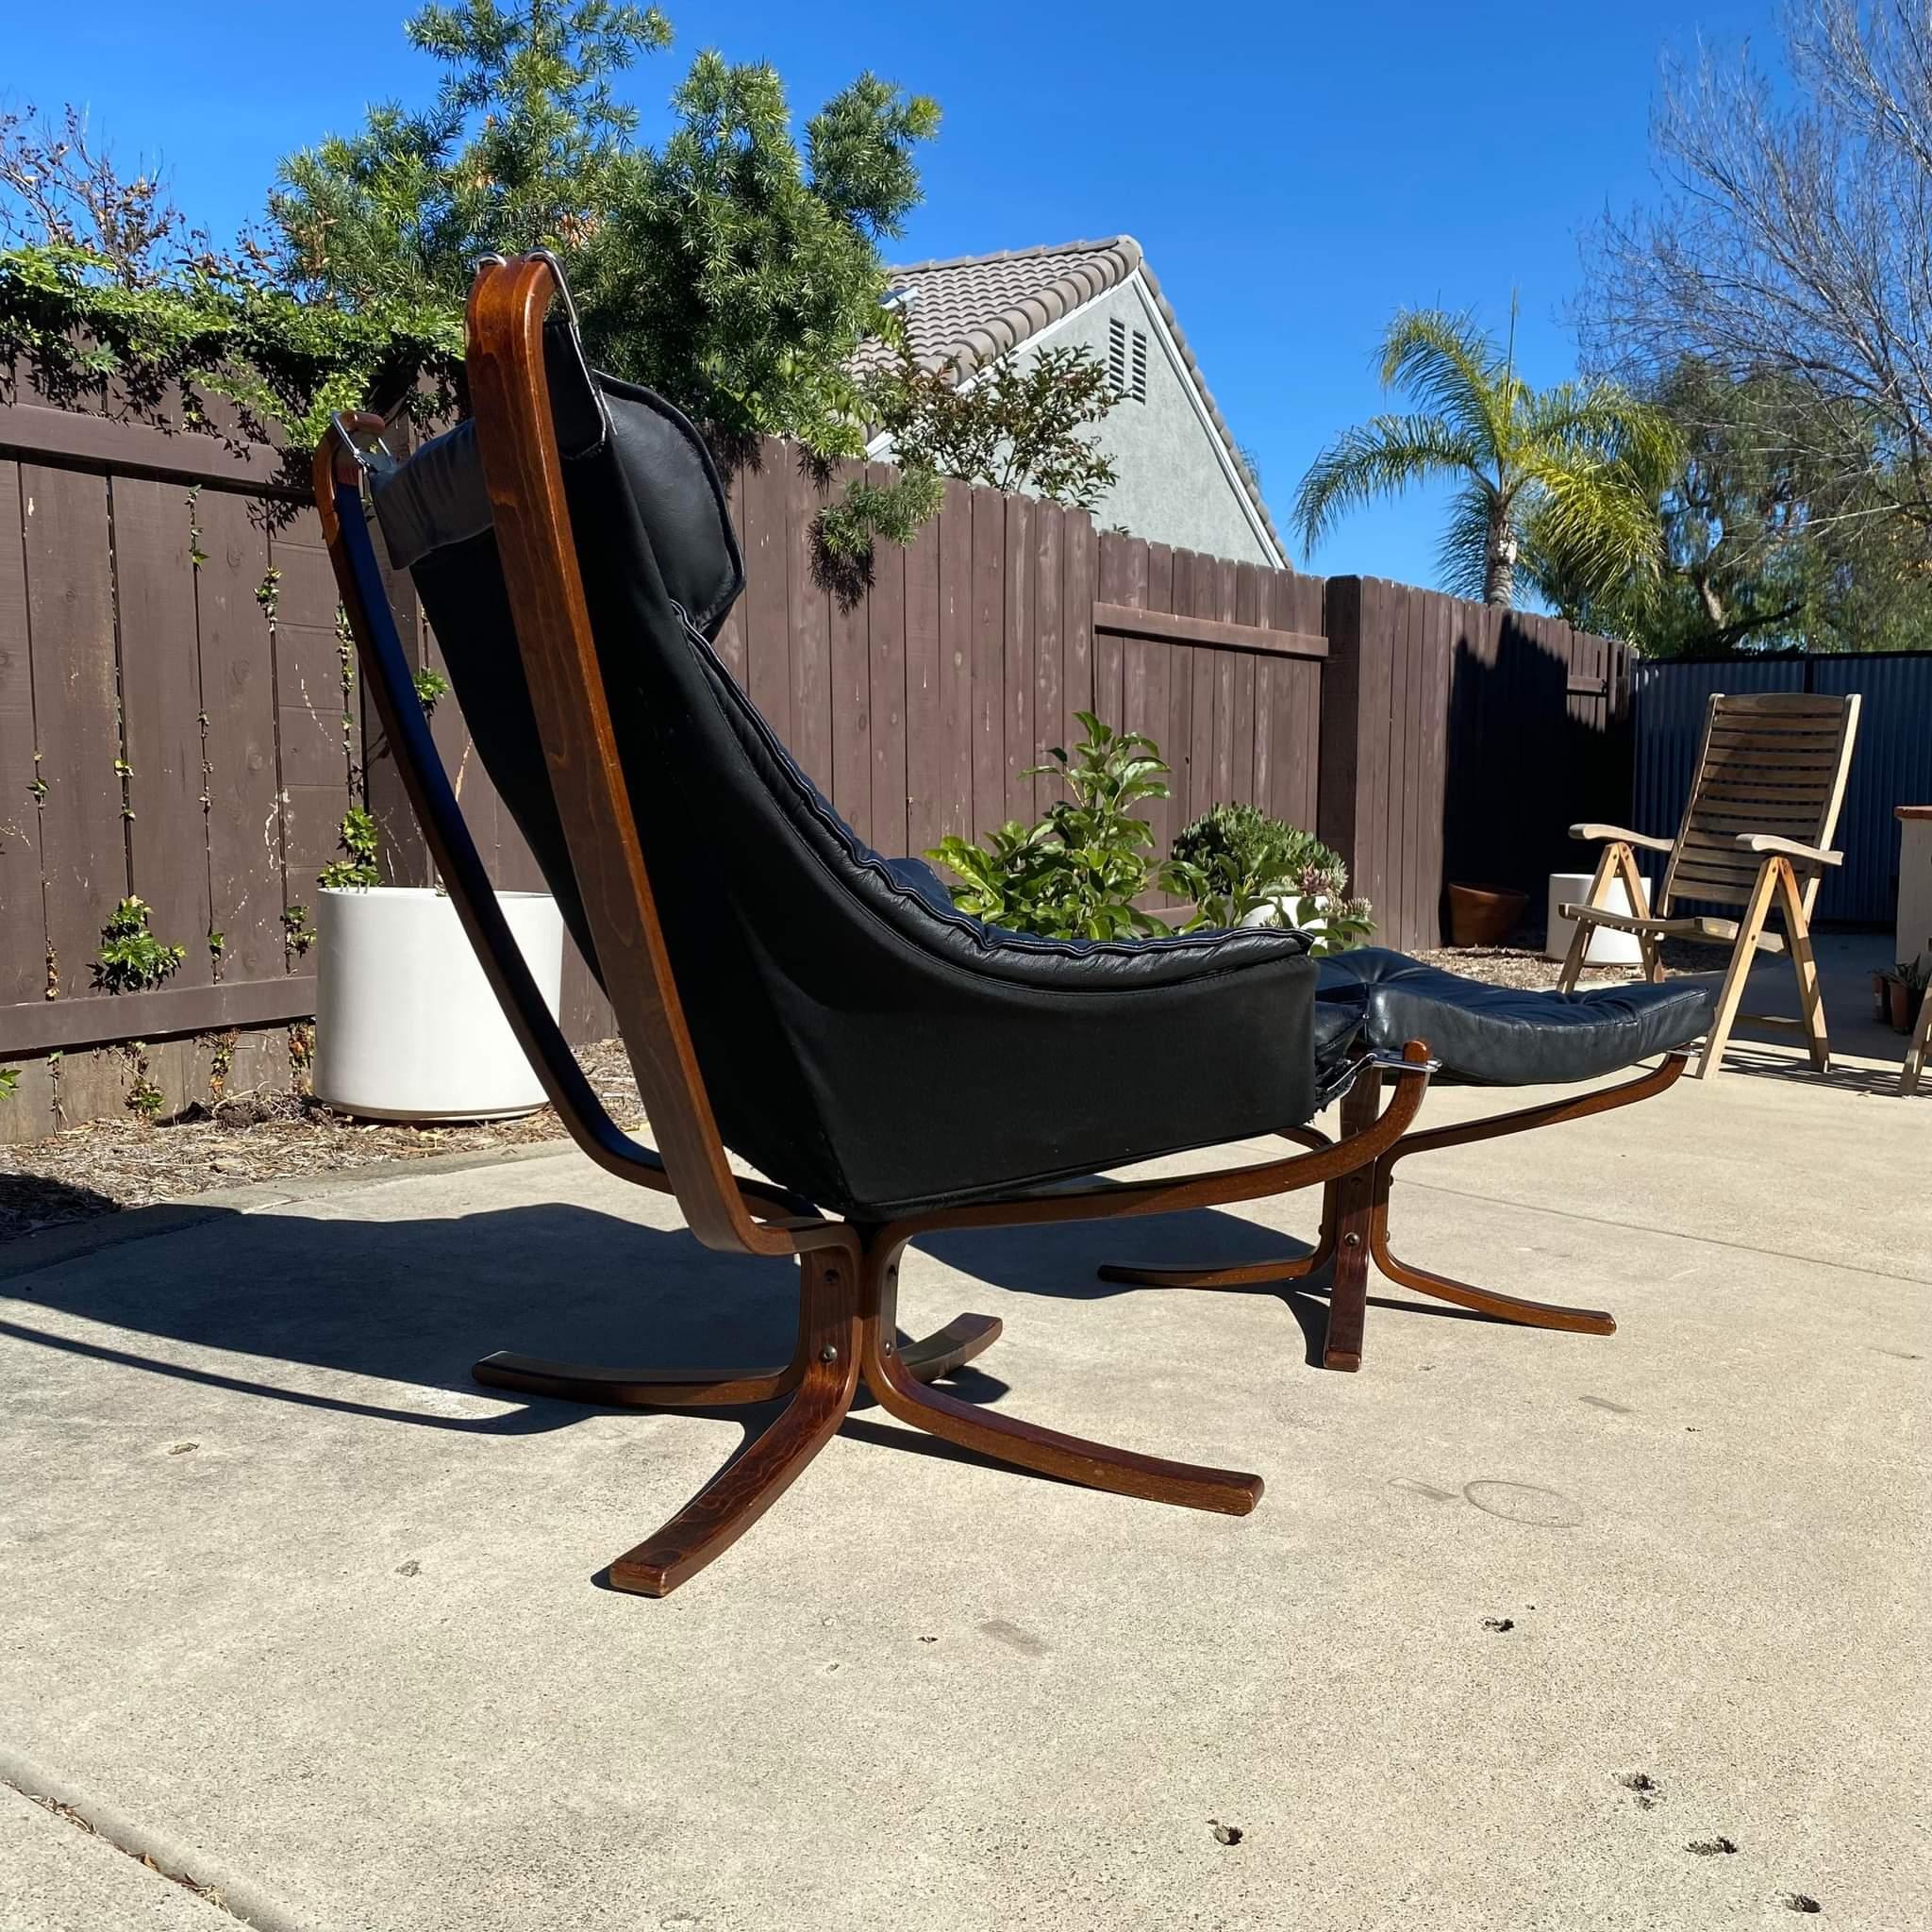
(785, 992)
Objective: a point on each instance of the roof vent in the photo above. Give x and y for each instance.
(1138, 387)
(1116, 356)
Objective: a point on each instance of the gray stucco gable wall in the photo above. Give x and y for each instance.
(1174, 486)
(1178, 482)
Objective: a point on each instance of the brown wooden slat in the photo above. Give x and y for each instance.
(810, 739)
(953, 783)
(67, 545)
(988, 657)
(161, 698)
(1020, 745)
(47, 1026)
(1231, 636)
(889, 642)
(925, 756)
(1079, 586)
(1049, 711)
(848, 658)
(238, 697)
(766, 543)
(1149, 678)
(1116, 575)
(74, 439)
(22, 929)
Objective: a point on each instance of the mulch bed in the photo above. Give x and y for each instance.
(111, 1164)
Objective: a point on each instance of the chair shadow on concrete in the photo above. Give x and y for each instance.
(276, 1298)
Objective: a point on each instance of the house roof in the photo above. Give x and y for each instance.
(970, 310)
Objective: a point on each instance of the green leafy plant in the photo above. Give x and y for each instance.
(298, 935)
(1077, 872)
(358, 871)
(1015, 427)
(9, 1082)
(131, 959)
(1242, 867)
(143, 1096)
(430, 686)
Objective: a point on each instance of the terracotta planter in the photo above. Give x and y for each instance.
(1483, 915)
(1905, 1005)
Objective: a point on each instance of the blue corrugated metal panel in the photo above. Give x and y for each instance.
(1891, 763)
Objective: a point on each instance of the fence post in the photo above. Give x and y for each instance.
(1352, 799)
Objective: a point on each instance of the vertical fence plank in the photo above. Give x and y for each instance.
(238, 693)
(850, 656)
(953, 784)
(987, 656)
(889, 646)
(1017, 658)
(22, 930)
(71, 626)
(1080, 586)
(1049, 717)
(1116, 577)
(1150, 701)
(1420, 888)
(925, 744)
(764, 541)
(811, 672)
(311, 710)
(161, 705)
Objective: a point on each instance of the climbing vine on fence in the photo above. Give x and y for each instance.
(172, 349)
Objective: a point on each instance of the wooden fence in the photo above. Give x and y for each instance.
(180, 720)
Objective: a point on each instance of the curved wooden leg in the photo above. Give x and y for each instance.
(1098, 1466)
(938, 1355)
(738, 1495)
(1238, 1274)
(1235, 1275)
(951, 1347)
(1359, 1197)
(530, 1375)
(1487, 1301)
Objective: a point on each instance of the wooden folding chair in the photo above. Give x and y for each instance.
(1756, 833)
(662, 980)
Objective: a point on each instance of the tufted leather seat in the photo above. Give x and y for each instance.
(1501, 1036)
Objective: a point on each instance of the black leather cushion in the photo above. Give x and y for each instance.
(861, 1040)
(1503, 1037)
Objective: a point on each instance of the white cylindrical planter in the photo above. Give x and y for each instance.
(407, 1028)
(1607, 947)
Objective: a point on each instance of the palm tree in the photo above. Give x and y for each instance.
(1575, 460)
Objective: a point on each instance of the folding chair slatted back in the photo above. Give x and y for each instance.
(1773, 763)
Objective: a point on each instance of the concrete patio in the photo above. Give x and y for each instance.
(1531, 1630)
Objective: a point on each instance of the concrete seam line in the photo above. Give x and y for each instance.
(239, 1899)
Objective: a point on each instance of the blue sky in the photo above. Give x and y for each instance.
(1295, 172)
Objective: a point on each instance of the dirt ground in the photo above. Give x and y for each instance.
(128, 1162)
(106, 1165)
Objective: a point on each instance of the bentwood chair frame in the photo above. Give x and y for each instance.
(1757, 834)
(848, 1273)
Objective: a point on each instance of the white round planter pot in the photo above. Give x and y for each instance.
(1607, 947)
(407, 1028)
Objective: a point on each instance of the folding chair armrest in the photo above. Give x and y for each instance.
(1765, 846)
(1596, 835)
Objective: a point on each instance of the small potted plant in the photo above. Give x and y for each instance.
(1905, 989)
